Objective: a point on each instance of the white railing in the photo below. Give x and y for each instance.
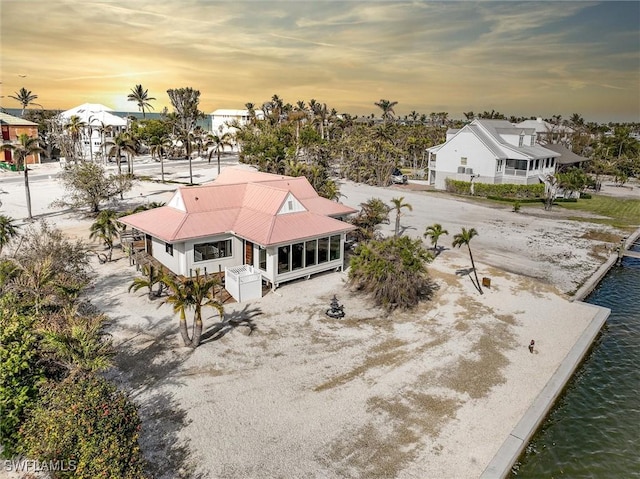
(514, 172)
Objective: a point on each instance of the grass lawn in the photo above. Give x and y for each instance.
(621, 212)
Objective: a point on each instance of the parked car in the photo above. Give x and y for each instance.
(397, 178)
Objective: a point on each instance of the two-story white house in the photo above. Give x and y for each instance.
(490, 151)
(100, 125)
(277, 225)
(222, 119)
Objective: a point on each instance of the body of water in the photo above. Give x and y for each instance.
(594, 429)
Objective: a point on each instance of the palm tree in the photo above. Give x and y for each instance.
(387, 109)
(141, 96)
(434, 232)
(159, 146)
(105, 228)
(36, 281)
(192, 293)
(397, 205)
(26, 146)
(218, 142)
(464, 238)
(25, 98)
(8, 230)
(75, 127)
(151, 276)
(122, 143)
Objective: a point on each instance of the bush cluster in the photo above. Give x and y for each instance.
(495, 190)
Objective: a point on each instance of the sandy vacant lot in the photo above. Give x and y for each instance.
(278, 389)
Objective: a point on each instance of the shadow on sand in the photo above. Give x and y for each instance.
(231, 322)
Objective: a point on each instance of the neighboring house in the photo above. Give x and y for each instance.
(96, 116)
(12, 128)
(277, 225)
(490, 151)
(548, 132)
(222, 119)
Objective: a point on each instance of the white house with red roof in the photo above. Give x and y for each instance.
(278, 225)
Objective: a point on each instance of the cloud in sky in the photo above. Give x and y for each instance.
(529, 58)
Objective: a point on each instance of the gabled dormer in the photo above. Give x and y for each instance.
(177, 201)
(291, 204)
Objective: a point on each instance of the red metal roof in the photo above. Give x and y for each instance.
(244, 203)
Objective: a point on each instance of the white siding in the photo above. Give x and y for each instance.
(236, 258)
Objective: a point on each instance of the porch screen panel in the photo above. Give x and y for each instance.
(262, 259)
(334, 252)
(283, 259)
(323, 250)
(297, 256)
(310, 252)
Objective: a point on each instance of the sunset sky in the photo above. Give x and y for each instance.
(530, 58)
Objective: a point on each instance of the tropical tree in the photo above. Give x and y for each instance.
(8, 230)
(26, 146)
(105, 228)
(75, 127)
(25, 98)
(192, 293)
(159, 146)
(88, 185)
(81, 345)
(185, 103)
(434, 232)
(464, 238)
(387, 109)
(393, 271)
(372, 213)
(151, 277)
(397, 205)
(218, 143)
(141, 96)
(121, 144)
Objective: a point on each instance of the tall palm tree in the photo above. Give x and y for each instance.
(464, 238)
(26, 146)
(8, 230)
(25, 98)
(75, 126)
(218, 142)
(387, 109)
(397, 205)
(119, 145)
(141, 96)
(105, 228)
(158, 146)
(192, 293)
(434, 232)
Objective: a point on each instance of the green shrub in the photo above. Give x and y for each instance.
(585, 196)
(87, 420)
(20, 374)
(500, 190)
(516, 207)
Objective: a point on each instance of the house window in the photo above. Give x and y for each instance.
(499, 165)
(537, 167)
(262, 258)
(517, 164)
(168, 248)
(334, 245)
(533, 139)
(297, 256)
(283, 259)
(213, 250)
(521, 142)
(310, 252)
(463, 160)
(290, 205)
(323, 250)
(553, 162)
